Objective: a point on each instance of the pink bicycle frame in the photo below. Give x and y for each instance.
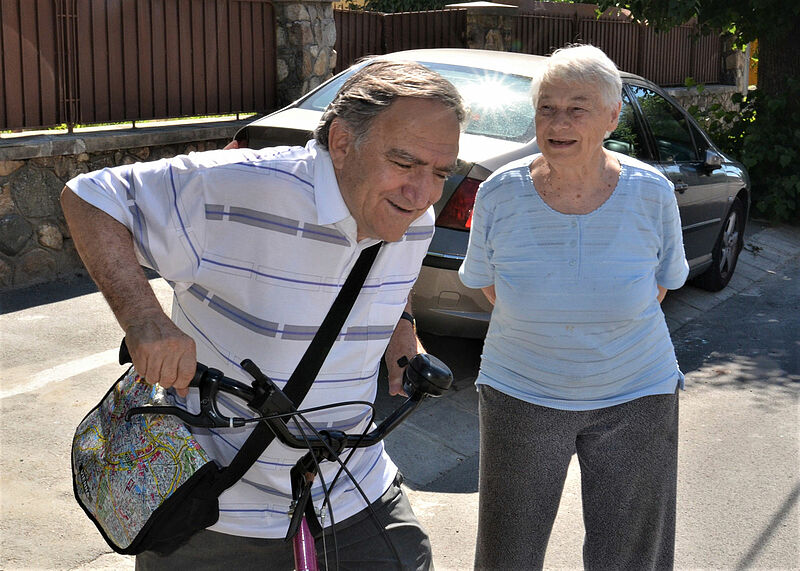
(305, 552)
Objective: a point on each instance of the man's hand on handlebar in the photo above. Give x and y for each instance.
(403, 343)
(162, 353)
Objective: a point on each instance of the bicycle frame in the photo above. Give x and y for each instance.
(424, 376)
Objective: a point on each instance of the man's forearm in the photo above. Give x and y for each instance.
(106, 248)
(161, 352)
(403, 343)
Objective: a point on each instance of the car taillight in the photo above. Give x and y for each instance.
(457, 213)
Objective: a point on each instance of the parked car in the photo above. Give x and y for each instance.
(713, 190)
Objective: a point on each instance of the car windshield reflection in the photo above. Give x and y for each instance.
(499, 103)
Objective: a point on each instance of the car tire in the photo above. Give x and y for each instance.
(726, 251)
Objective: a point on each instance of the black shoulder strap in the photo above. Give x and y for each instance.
(306, 371)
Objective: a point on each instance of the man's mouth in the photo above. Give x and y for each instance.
(561, 142)
(400, 208)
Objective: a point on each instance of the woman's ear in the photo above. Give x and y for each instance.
(340, 142)
(615, 110)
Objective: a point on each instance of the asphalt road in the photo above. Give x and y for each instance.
(739, 481)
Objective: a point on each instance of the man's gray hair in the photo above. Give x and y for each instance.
(580, 64)
(372, 89)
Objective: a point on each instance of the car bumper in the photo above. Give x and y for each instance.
(442, 305)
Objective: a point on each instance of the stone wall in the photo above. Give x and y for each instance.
(305, 36)
(35, 244)
(490, 26)
(705, 98)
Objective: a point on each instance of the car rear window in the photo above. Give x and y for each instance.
(499, 103)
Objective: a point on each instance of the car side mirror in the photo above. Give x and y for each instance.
(713, 160)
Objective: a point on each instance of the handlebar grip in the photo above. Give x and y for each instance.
(124, 354)
(125, 359)
(426, 374)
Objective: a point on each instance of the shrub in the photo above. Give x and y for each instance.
(763, 132)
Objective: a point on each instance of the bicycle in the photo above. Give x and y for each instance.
(424, 376)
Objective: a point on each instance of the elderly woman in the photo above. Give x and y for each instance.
(576, 247)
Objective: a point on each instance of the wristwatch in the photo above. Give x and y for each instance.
(410, 318)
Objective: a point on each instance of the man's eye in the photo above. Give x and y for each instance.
(402, 165)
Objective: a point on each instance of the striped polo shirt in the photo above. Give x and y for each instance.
(576, 324)
(257, 245)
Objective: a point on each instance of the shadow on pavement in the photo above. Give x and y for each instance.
(46, 293)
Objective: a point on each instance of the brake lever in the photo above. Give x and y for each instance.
(209, 415)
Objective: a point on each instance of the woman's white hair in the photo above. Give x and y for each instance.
(580, 63)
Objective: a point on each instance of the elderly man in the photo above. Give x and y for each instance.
(257, 244)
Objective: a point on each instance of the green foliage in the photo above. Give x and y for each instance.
(769, 147)
(745, 19)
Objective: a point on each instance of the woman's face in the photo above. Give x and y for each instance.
(571, 122)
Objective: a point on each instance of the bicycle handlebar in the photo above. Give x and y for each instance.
(424, 376)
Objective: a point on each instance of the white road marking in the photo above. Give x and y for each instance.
(63, 372)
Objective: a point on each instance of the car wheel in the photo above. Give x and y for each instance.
(726, 251)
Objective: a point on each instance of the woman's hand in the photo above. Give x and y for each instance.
(489, 293)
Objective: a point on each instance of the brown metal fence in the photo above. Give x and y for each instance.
(89, 61)
(360, 34)
(433, 29)
(125, 60)
(619, 39)
(665, 58)
(30, 79)
(540, 35)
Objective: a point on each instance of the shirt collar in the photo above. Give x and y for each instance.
(331, 207)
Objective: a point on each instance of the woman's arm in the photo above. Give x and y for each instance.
(489, 293)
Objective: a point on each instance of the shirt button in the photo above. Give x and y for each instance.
(574, 224)
(573, 243)
(572, 262)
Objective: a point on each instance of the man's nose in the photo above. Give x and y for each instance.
(422, 190)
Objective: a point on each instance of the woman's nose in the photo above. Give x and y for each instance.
(560, 118)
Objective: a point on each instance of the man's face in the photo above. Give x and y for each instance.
(399, 169)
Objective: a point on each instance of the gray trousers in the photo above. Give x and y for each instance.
(628, 461)
(361, 545)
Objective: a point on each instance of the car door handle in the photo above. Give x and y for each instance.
(681, 187)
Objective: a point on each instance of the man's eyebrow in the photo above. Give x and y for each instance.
(405, 156)
(410, 158)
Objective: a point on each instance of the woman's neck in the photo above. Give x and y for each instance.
(570, 177)
(575, 190)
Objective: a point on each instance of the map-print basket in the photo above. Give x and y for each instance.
(145, 483)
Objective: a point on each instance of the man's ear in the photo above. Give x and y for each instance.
(340, 142)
